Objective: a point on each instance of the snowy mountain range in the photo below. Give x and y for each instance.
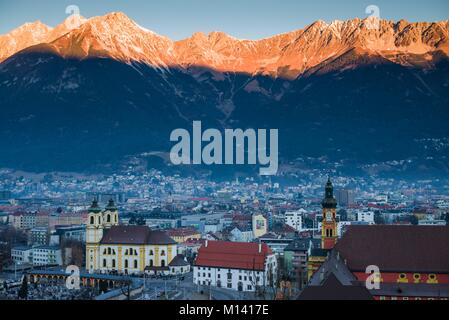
(107, 88)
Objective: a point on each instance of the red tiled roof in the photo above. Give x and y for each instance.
(233, 255)
(194, 242)
(396, 248)
(182, 232)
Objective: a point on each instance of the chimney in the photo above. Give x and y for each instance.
(207, 243)
(260, 247)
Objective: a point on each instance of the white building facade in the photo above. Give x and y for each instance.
(294, 219)
(245, 266)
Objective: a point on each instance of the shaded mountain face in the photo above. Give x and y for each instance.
(92, 95)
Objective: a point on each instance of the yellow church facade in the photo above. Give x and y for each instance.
(112, 248)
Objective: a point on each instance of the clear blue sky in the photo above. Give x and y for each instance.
(250, 19)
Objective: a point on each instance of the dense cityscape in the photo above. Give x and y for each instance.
(271, 238)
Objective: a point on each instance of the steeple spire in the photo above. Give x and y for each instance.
(111, 205)
(329, 200)
(94, 208)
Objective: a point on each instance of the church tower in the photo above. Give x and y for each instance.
(329, 229)
(94, 234)
(110, 215)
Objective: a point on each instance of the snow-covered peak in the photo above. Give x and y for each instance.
(117, 36)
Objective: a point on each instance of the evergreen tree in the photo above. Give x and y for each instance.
(23, 292)
(378, 218)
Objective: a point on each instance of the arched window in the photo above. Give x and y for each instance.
(163, 253)
(92, 220)
(151, 253)
(126, 252)
(113, 263)
(108, 218)
(99, 220)
(331, 232)
(135, 264)
(104, 263)
(109, 250)
(126, 263)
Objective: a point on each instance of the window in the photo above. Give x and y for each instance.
(135, 264)
(92, 221)
(113, 263)
(108, 218)
(126, 263)
(229, 285)
(163, 253)
(402, 278)
(104, 263)
(432, 279)
(163, 263)
(151, 253)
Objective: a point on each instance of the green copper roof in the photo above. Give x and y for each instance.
(94, 208)
(111, 206)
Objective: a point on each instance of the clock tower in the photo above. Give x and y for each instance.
(329, 229)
